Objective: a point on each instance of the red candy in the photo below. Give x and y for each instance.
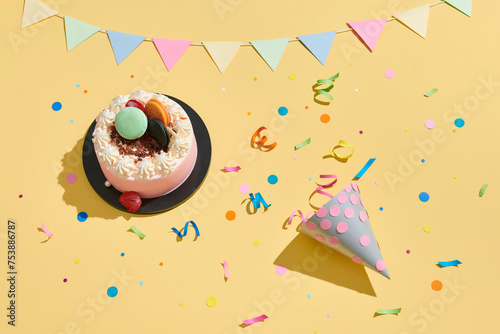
(130, 200)
(135, 104)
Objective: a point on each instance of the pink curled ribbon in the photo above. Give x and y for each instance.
(256, 319)
(302, 218)
(226, 269)
(232, 169)
(46, 230)
(319, 189)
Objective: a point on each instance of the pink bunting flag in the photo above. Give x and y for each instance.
(368, 31)
(171, 50)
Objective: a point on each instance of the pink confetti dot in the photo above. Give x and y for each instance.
(429, 124)
(380, 265)
(20, 196)
(311, 226)
(244, 189)
(356, 259)
(333, 240)
(319, 237)
(362, 216)
(334, 210)
(321, 212)
(407, 251)
(281, 270)
(65, 280)
(376, 182)
(325, 224)
(349, 213)
(342, 198)
(364, 240)
(389, 74)
(348, 188)
(354, 186)
(70, 178)
(341, 227)
(329, 315)
(295, 157)
(354, 199)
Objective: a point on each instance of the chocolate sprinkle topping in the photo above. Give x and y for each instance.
(142, 147)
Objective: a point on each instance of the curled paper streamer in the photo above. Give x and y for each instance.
(46, 230)
(136, 231)
(389, 311)
(449, 263)
(432, 91)
(342, 143)
(304, 143)
(303, 218)
(325, 90)
(483, 188)
(232, 169)
(257, 200)
(186, 229)
(321, 187)
(226, 269)
(262, 139)
(365, 168)
(256, 319)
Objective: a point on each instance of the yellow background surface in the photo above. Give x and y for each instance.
(41, 146)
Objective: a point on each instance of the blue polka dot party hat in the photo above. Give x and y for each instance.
(343, 224)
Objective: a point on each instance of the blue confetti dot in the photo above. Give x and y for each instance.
(381, 209)
(423, 196)
(56, 106)
(82, 216)
(71, 121)
(141, 282)
(272, 179)
(282, 111)
(310, 179)
(112, 291)
(423, 160)
(459, 122)
(309, 296)
(78, 85)
(122, 254)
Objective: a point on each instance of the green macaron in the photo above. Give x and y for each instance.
(131, 123)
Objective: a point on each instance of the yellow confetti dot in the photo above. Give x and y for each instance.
(427, 228)
(350, 63)
(256, 242)
(315, 331)
(292, 76)
(455, 177)
(406, 129)
(211, 301)
(181, 304)
(77, 261)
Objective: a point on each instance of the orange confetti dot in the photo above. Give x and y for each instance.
(85, 91)
(325, 118)
(230, 215)
(436, 285)
(161, 263)
(307, 107)
(454, 130)
(132, 76)
(255, 79)
(249, 113)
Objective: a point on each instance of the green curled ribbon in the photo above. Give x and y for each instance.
(325, 91)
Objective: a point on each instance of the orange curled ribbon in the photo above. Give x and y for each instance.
(261, 142)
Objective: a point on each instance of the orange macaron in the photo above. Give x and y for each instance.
(155, 109)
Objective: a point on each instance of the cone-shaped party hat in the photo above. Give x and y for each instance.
(343, 224)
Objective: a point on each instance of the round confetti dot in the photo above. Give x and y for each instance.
(223, 89)
(406, 129)
(356, 259)
(282, 111)
(381, 209)
(319, 237)
(244, 189)
(309, 296)
(334, 211)
(272, 179)
(389, 74)
(141, 283)
(376, 182)
(315, 331)
(230, 215)
(77, 261)
(70, 178)
(132, 76)
(249, 113)
(325, 224)
(82, 216)
(427, 228)
(77, 85)
(311, 226)
(348, 188)
(380, 265)
(255, 79)
(161, 264)
(436, 285)
(454, 130)
(325, 118)
(364, 240)
(341, 227)
(112, 291)
(306, 107)
(211, 301)
(107, 184)
(321, 212)
(71, 121)
(423, 196)
(356, 90)
(295, 157)
(281, 270)
(362, 216)
(85, 91)
(429, 124)
(181, 304)
(328, 315)
(21, 196)
(354, 199)
(122, 254)
(292, 76)
(459, 123)
(56, 106)
(65, 280)
(423, 160)
(310, 179)
(256, 242)
(407, 251)
(360, 132)
(349, 212)
(342, 198)
(333, 241)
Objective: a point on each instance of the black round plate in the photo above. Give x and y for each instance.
(158, 204)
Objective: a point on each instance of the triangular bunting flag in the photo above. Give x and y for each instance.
(123, 44)
(171, 50)
(465, 6)
(77, 31)
(415, 19)
(271, 50)
(368, 31)
(222, 52)
(343, 224)
(35, 11)
(319, 44)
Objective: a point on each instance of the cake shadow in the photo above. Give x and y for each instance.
(80, 193)
(309, 257)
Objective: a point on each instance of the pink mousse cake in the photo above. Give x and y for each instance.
(141, 165)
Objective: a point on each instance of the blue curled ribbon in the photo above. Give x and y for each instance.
(186, 228)
(449, 263)
(257, 200)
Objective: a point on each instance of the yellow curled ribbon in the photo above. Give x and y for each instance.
(342, 143)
